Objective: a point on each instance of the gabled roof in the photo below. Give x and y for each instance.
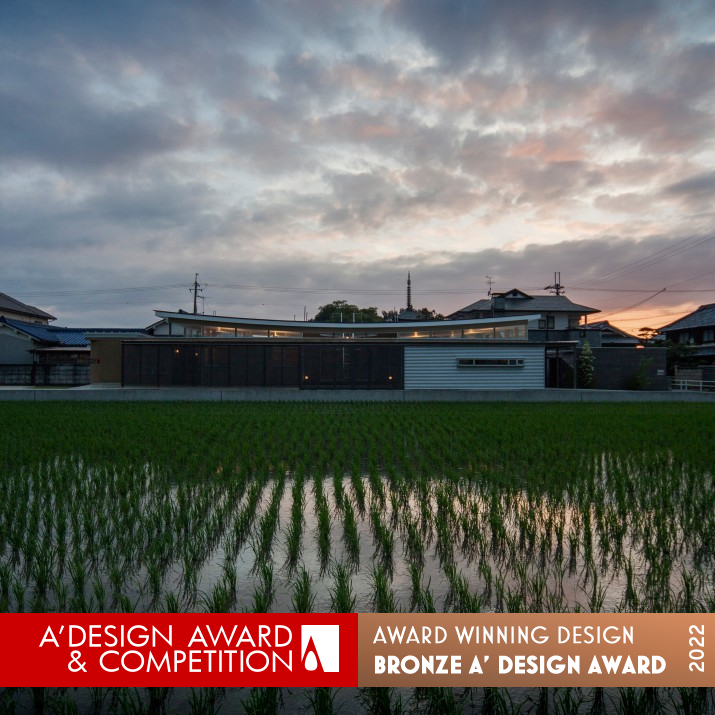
(513, 293)
(703, 317)
(523, 302)
(484, 304)
(605, 326)
(15, 306)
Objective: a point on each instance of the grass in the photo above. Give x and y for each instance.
(464, 508)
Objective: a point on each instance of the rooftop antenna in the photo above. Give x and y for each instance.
(489, 282)
(556, 288)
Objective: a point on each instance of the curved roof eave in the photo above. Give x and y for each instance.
(302, 325)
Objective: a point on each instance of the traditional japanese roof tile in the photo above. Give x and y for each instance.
(9, 304)
(703, 317)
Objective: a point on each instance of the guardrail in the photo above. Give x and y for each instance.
(695, 385)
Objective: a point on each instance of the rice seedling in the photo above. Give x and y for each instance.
(264, 592)
(130, 702)
(439, 700)
(342, 597)
(219, 599)
(171, 603)
(383, 597)
(295, 529)
(262, 701)
(303, 599)
(382, 701)
(205, 701)
(351, 537)
(323, 518)
(321, 701)
(101, 511)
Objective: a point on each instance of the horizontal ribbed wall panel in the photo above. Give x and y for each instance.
(434, 367)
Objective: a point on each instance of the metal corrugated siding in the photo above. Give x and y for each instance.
(434, 367)
(71, 338)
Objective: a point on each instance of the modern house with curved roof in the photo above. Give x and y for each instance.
(187, 349)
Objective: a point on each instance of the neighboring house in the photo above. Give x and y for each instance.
(696, 329)
(34, 354)
(558, 317)
(15, 310)
(605, 335)
(24, 343)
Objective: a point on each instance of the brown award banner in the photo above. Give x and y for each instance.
(536, 650)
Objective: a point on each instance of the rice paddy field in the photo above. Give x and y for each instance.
(371, 507)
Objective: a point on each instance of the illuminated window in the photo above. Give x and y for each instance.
(490, 362)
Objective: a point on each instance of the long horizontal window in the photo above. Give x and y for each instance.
(490, 362)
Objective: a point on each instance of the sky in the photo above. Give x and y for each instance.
(296, 152)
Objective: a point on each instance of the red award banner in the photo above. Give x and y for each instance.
(179, 650)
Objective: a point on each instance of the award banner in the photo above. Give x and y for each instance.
(535, 650)
(349, 650)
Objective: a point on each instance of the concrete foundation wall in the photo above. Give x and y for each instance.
(198, 394)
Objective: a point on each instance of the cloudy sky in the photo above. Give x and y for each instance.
(293, 152)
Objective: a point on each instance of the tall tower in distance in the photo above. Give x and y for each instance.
(409, 292)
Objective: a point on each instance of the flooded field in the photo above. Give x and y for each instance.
(368, 508)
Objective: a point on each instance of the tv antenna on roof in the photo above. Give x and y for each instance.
(556, 288)
(489, 282)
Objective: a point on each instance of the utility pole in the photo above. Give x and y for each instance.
(556, 288)
(196, 290)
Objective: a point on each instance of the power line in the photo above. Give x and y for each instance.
(635, 305)
(681, 246)
(93, 291)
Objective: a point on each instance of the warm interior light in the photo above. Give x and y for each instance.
(390, 377)
(306, 377)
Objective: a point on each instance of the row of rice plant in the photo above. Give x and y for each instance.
(360, 507)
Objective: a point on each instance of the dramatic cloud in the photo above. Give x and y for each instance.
(296, 152)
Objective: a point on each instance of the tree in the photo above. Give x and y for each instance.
(647, 335)
(427, 314)
(390, 316)
(585, 365)
(340, 311)
(641, 377)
